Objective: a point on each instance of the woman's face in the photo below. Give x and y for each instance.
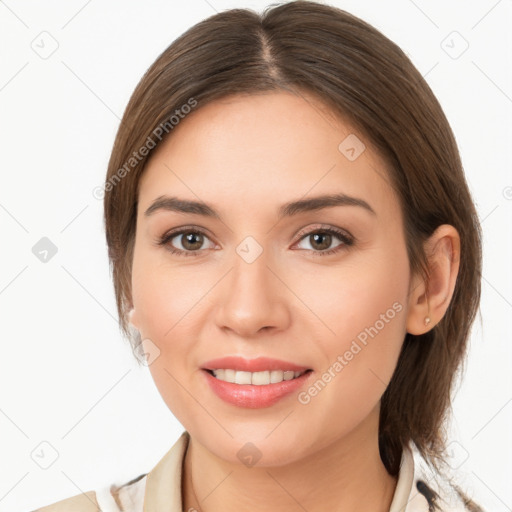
(257, 280)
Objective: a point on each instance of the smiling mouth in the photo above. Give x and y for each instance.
(261, 378)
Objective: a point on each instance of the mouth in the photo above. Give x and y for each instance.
(254, 383)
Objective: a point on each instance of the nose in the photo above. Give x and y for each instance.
(252, 300)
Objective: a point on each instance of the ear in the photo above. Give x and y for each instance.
(431, 299)
(131, 317)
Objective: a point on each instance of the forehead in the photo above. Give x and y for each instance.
(253, 150)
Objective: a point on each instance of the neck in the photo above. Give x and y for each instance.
(347, 476)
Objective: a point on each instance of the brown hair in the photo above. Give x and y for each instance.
(304, 46)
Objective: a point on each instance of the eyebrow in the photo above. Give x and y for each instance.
(175, 204)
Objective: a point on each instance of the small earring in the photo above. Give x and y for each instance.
(427, 320)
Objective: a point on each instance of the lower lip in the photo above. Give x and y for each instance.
(252, 396)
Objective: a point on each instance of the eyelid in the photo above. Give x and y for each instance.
(321, 228)
(185, 229)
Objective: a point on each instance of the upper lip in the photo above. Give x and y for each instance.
(251, 365)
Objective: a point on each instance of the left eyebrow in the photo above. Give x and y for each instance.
(169, 203)
(319, 202)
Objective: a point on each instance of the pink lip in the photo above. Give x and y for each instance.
(250, 395)
(251, 365)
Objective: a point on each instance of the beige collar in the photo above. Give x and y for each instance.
(163, 484)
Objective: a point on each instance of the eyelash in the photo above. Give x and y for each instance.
(346, 239)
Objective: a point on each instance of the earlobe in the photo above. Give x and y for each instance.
(418, 317)
(130, 317)
(429, 300)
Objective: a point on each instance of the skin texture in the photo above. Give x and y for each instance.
(246, 156)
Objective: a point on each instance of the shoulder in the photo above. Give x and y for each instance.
(438, 492)
(84, 502)
(128, 497)
(156, 490)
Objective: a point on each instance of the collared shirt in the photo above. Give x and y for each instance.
(418, 489)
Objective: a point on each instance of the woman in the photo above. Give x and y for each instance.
(296, 257)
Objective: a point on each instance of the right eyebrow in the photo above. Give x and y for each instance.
(175, 204)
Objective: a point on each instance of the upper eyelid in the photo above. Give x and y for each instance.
(324, 227)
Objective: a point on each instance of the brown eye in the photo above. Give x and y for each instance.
(192, 241)
(321, 240)
(186, 242)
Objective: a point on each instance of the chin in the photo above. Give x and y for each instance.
(255, 447)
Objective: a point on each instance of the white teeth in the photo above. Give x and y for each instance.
(276, 376)
(242, 377)
(256, 378)
(229, 375)
(260, 378)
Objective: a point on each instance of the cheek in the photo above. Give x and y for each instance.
(373, 308)
(165, 296)
(166, 302)
(364, 308)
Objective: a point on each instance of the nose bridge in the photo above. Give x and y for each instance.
(253, 296)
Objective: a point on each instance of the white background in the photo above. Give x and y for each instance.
(67, 377)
